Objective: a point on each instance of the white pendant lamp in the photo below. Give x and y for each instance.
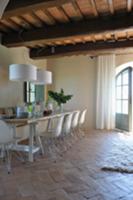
(43, 77)
(22, 72)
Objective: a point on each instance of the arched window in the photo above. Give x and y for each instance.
(123, 98)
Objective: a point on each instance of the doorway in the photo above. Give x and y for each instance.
(124, 99)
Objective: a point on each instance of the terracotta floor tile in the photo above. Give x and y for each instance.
(74, 176)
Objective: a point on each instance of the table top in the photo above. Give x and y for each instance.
(31, 120)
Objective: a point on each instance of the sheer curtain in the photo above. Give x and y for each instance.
(105, 102)
(3, 4)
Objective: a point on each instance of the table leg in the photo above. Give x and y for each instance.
(14, 133)
(31, 141)
(49, 125)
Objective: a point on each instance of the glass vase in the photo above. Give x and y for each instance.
(61, 107)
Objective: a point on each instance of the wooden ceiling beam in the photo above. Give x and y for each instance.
(94, 7)
(111, 7)
(68, 30)
(18, 7)
(77, 9)
(129, 5)
(89, 47)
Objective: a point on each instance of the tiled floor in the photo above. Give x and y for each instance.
(77, 176)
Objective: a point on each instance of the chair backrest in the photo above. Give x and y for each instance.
(67, 123)
(82, 117)
(75, 119)
(58, 129)
(6, 135)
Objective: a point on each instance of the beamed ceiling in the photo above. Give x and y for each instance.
(51, 28)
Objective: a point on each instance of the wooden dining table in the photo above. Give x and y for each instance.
(32, 122)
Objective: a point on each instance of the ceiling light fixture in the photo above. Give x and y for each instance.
(43, 77)
(22, 72)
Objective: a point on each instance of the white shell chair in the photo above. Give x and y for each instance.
(67, 124)
(81, 121)
(6, 142)
(75, 122)
(66, 131)
(50, 136)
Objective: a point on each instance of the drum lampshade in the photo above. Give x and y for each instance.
(22, 72)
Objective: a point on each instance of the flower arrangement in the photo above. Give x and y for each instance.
(59, 97)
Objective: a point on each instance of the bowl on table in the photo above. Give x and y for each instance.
(47, 112)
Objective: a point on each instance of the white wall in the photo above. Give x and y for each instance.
(11, 93)
(77, 76)
(121, 59)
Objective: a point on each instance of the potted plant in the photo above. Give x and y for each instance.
(59, 97)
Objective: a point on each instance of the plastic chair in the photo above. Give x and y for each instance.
(66, 131)
(49, 137)
(75, 120)
(67, 124)
(81, 121)
(6, 142)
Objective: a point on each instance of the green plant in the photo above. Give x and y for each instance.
(30, 107)
(59, 97)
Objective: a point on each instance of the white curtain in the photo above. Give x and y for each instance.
(105, 102)
(3, 4)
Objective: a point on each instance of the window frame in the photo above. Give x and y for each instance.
(28, 92)
(39, 93)
(129, 71)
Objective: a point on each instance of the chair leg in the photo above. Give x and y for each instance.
(20, 156)
(2, 152)
(73, 136)
(54, 149)
(78, 133)
(39, 142)
(8, 159)
(68, 144)
(46, 145)
(82, 134)
(49, 147)
(59, 146)
(56, 144)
